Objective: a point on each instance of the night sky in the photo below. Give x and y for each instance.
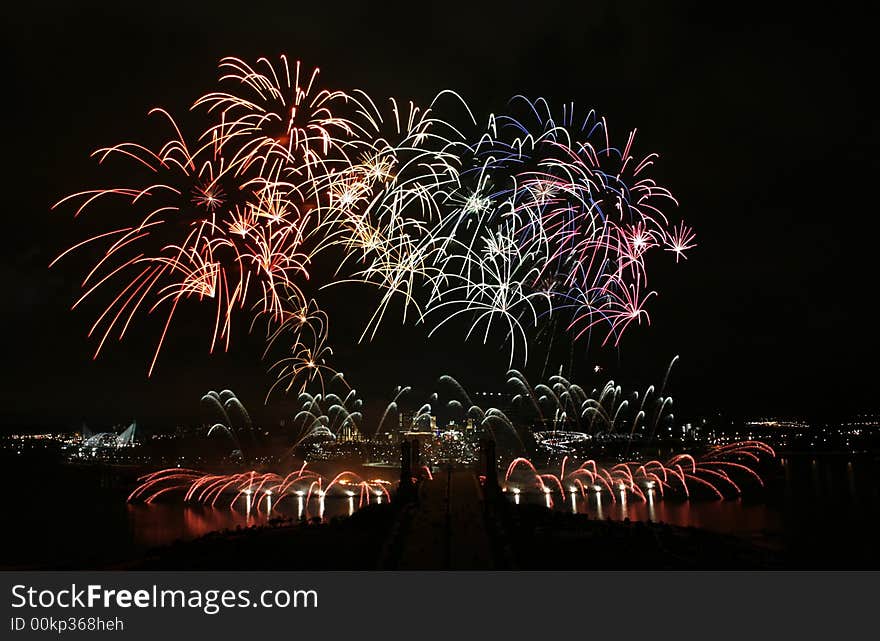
(761, 119)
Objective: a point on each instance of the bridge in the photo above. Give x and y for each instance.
(445, 523)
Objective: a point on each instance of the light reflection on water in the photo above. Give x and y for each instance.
(807, 494)
(158, 524)
(807, 486)
(732, 516)
(163, 522)
(830, 509)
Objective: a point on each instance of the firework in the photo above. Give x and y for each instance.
(383, 207)
(275, 118)
(533, 221)
(719, 472)
(194, 237)
(251, 490)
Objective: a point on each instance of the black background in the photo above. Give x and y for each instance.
(761, 115)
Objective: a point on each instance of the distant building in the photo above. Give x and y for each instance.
(105, 440)
(405, 422)
(349, 432)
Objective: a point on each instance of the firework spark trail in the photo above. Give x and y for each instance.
(494, 286)
(305, 360)
(570, 415)
(276, 117)
(326, 417)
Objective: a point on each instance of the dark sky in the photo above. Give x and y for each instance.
(761, 119)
